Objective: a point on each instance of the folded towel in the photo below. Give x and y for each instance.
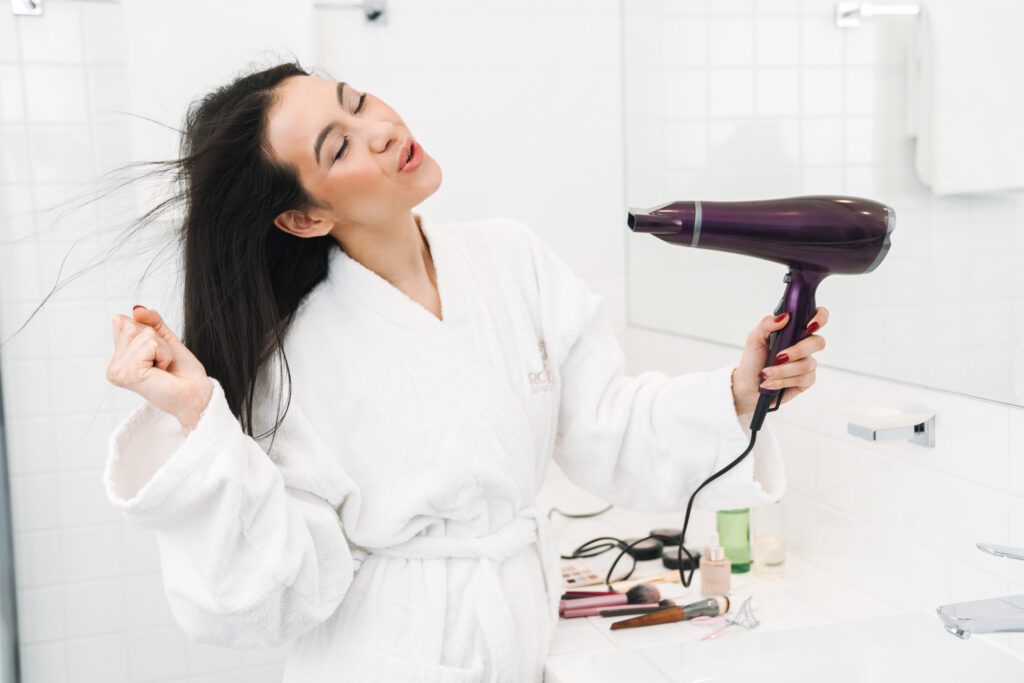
(964, 95)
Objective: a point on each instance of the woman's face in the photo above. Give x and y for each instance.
(316, 119)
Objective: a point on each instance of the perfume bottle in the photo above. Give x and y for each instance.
(734, 530)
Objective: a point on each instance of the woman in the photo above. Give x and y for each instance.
(387, 527)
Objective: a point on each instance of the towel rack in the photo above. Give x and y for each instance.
(849, 14)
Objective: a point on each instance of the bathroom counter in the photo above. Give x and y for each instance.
(804, 596)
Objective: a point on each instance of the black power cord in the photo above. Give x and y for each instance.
(596, 546)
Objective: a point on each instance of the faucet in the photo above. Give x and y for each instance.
(995, 615)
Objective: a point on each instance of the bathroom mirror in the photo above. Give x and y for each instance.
(739, 101)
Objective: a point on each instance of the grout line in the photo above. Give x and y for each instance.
(843, 105)
(800, 101)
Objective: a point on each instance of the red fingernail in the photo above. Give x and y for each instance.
(762, 375)
(781, 358)
(137, 306)
(812, 327)
(780, 317)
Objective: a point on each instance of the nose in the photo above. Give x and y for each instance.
(382, 134)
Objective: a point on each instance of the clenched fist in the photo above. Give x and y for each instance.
(151, 361)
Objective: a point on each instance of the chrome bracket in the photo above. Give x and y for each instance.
(915, 427)
(28, 7)
(373, 9)
(849, 14)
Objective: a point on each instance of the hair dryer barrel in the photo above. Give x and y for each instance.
(829, 233)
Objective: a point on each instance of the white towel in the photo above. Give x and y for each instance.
(965, 96)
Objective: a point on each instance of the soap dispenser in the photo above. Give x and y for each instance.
(715, 569)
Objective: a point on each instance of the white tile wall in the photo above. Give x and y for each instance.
(545, 77)
(520, 102)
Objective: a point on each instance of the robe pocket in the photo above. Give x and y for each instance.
(381, 667)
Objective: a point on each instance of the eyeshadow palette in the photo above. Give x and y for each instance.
(575, 573)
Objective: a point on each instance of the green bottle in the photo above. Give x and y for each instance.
(734, 532)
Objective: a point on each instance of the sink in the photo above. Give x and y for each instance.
(905, 648)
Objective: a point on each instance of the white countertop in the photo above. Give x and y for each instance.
(803, 596)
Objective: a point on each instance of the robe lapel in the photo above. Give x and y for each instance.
(473, 375)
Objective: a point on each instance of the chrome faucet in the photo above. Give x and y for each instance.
(995, 615)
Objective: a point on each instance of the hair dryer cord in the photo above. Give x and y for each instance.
(762, 409)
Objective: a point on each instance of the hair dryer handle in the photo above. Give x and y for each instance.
(798, 301)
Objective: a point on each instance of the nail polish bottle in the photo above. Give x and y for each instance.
(715, 569)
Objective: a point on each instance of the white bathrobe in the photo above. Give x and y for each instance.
(390, 533)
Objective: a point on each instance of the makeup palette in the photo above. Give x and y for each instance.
(576, 573)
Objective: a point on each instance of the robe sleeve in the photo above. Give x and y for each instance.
(645, 442)
(251, 546)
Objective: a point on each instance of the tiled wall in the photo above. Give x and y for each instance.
(519, 102)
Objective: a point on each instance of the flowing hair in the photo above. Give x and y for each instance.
(244, 278)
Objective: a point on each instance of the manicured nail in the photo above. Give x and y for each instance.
(762, 375)
(137, 306)
(813, 326)
(781, 358)
(779, 318)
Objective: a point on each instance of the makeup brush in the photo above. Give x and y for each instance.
(575, 595)
(671, 576)
(710, 607)
(636, 609)
(602, 611)
(640, 594)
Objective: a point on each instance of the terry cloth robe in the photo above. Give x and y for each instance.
(390, 533)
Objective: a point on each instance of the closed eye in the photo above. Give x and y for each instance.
(359, 108)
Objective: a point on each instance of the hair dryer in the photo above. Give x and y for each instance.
(815, 236)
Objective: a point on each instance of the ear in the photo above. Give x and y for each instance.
(303, 223)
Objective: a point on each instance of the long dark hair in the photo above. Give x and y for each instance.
(244, 278)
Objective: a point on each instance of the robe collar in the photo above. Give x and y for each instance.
(459, 352)
(352, 280)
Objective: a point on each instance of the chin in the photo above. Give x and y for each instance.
(430, 180)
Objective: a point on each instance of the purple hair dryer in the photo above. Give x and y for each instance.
(815, 236)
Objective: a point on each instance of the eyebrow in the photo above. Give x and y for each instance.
(327, 129)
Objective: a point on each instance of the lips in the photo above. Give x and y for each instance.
(404, 154)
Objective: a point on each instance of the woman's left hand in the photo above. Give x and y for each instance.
(795, 373)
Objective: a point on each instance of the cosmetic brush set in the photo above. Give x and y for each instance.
(642, 603)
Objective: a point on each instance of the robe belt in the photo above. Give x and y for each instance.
(492, 608)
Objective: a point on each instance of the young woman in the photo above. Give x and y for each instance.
(377, 508)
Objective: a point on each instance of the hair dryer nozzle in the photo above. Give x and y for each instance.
(650, 221)
(673, 218)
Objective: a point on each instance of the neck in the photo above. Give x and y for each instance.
(395, 250)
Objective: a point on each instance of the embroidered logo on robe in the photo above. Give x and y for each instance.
(542, 380)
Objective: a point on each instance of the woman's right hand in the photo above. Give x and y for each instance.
(151, 361)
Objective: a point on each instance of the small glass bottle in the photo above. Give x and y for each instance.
(714, 569)
(769, 544)
(734, 530)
